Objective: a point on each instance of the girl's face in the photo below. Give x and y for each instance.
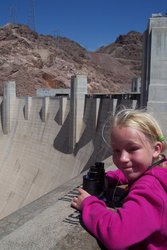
(132, 152)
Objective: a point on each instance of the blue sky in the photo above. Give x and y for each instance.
(91, 23)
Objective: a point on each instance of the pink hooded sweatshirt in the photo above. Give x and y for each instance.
(141, 223)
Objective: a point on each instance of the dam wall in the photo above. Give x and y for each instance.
(46, 141)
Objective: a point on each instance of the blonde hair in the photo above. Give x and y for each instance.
(143, 122)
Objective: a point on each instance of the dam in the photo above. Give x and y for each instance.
(47, 143)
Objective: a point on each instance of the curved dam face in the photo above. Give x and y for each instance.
(46, 141)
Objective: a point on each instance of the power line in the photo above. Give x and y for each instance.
(31, 15)
(13, 12)
(56, 34)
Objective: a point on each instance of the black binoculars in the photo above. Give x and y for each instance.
(94, 184)
(93, 181)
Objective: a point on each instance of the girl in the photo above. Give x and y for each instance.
(137, 143)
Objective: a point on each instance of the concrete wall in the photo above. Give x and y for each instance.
(46, 141)
(154, 89)
(30, 164)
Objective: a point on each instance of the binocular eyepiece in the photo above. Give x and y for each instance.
(93, 181)
(94, 184)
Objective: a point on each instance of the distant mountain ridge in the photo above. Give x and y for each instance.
(42, 61)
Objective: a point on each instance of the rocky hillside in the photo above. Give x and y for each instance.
(36, 61)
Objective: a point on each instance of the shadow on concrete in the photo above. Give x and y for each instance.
(61, 142)
(2, 118)
(102, 149)
(90, 125)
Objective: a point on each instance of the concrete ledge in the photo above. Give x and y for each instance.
(47, 223)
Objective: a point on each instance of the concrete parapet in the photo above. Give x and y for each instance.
(114, 105)
(97, 109)
(124, 101)
(78, 91)
(9, 101)
(42, 92)
(45, 106)
(135, 104)
(47, 223)
(63, 108)
(91, 112)
(136, 85)
(27, 107)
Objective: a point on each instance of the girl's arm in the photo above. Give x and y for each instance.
(139, 217)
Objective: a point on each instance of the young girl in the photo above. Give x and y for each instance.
(141, 223)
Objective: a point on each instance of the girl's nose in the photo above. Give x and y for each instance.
(124, 157)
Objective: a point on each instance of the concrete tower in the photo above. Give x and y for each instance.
(154, 87)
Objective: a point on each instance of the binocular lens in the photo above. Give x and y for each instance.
(93, 181)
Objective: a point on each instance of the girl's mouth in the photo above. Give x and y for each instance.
(127, 169)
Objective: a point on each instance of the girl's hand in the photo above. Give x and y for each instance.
(77, 201)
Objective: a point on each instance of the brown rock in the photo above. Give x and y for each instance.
(35, 61)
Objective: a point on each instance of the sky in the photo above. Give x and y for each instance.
(91, 23)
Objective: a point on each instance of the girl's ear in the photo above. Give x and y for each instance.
(157, 149)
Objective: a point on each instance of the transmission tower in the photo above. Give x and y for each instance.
(31, 15)
(13, 18)
(56, 34)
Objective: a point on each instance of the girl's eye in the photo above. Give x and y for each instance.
(133, 149)
(116, 151)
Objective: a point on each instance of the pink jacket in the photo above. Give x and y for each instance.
(141, 223)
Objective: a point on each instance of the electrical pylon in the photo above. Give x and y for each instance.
(31, 15)
(13, 18)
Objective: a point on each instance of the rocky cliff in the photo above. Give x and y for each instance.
(43, 61)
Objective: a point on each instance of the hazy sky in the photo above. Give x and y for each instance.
(91, 23)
